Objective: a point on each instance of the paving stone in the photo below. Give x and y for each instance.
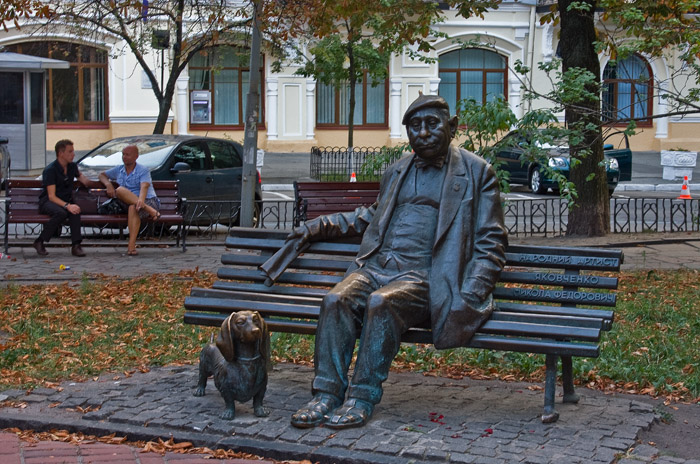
(617, 444)
(643, 450)
(221, 428)
(290, 433)
(606, 454)
(462, 458)
(669, 460)
(340, 442)
(32, 398)
(511, 457)
(488, 460)
(481, 451)
(641, 407)
(413, 451)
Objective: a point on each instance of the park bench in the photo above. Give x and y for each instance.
(543, 300)
(22, 207)
(313, 199)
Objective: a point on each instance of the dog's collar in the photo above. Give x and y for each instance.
(242, 359)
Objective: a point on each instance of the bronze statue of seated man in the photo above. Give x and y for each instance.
(433, 246)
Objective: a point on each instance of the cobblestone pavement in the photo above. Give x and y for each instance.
(420, 419)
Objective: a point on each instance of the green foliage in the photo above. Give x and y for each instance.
(374, 166)
(485, 126)
(329, 61)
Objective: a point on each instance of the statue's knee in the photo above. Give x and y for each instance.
(377, 303)
(331, 300)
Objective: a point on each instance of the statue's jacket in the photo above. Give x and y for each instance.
(469, 248)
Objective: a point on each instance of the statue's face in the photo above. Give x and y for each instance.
(430, 132)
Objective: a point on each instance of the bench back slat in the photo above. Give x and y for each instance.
(24, 201)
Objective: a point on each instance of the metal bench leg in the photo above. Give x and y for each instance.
(550, 388)
(567, 379)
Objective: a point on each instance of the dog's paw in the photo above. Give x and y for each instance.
(261, 411)
(199, 391)
(228, 414)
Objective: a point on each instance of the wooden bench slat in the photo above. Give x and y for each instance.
(555, 296)
(492, 342)
(299, 263)
(588, 322)
(299, 310)
(252, 295)
(297, 278)
(603, 314)
(227, 306)
(275, 290)
(558, 279)
(244, 243)
(596, 263)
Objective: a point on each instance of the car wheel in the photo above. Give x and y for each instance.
(536, 181)
(256, 215)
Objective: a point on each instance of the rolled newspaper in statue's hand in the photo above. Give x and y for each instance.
(275, 266)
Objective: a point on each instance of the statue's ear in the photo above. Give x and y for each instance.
(224, 342)
(453, 122)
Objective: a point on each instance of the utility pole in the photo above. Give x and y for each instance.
(252, 111)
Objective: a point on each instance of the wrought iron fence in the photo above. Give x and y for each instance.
(337, 163)
(546, 217)
(634, 215)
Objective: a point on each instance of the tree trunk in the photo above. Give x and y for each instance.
(590, 216)
(351, 82)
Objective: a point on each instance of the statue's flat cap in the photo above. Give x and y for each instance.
(424, 101)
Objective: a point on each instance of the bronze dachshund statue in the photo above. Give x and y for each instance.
(239, 362)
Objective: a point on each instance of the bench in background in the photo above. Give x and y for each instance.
(22, 207)
(313, 199)
(545, 302)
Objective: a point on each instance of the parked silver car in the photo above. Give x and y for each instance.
(208, 169)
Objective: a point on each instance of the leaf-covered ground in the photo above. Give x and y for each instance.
(50, 333)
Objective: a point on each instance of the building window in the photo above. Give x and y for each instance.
(224, 71)
(77, 95)
(371, 99)
(12, 98)
(627, 91)
(472, 73)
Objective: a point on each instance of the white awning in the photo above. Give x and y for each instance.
(16, 61)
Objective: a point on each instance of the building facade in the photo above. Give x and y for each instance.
(105, 94)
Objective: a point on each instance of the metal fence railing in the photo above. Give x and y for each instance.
(338, 163)
(545, 217)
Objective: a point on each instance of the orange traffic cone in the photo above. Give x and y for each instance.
(352, 177)
(685, 191)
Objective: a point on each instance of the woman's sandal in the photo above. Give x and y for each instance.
(315, 411)
(353, 413)
(156, 217)
(132, 253)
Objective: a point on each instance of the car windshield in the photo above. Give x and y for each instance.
(152, 153)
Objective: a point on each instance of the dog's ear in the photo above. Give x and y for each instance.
(224, 342)
(265, 343)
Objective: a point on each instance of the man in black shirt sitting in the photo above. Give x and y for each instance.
(55, 199)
